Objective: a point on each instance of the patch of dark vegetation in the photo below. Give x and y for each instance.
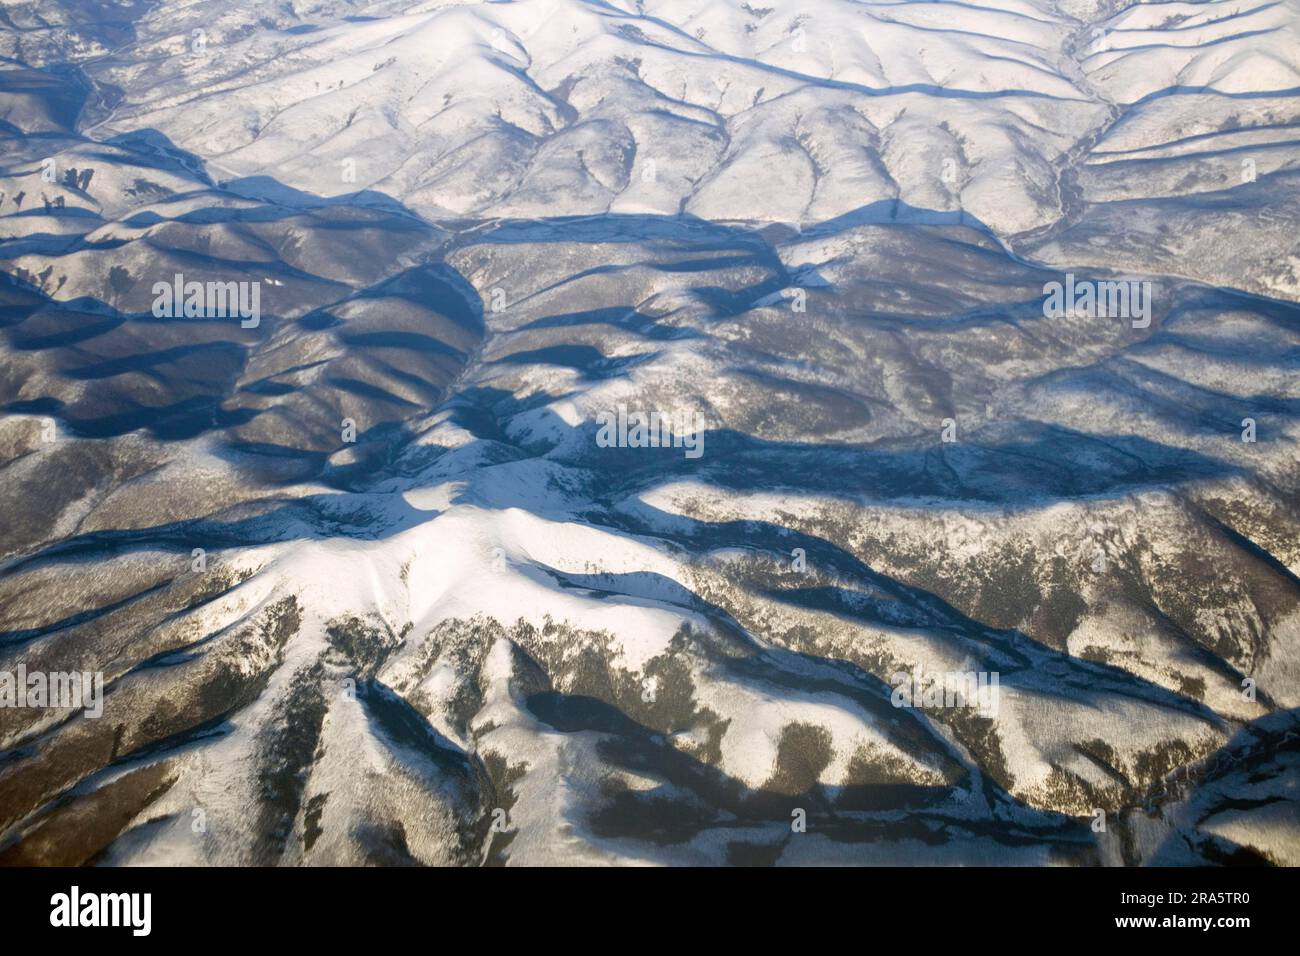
(1005, 589)
(1067, 792)
(1152, 765)
(1222, 853)
(1193, 687)
(1103, 755)
(311, 828)
(803, 753)
(577, 663)
(582, 663)
(215, 583)
(228, 690)
(461, 646)
(361, 644)
(740, 853)
(877, 781)
(384, 844)
(500, 801)
(979, 735)
(79, 828)
(1061, 607)
(287, 750)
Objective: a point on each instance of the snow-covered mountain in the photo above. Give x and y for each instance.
(366, 580)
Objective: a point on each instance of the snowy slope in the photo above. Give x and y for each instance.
(435, 620)
(556, 106)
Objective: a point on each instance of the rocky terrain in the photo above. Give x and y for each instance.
(366, 586)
